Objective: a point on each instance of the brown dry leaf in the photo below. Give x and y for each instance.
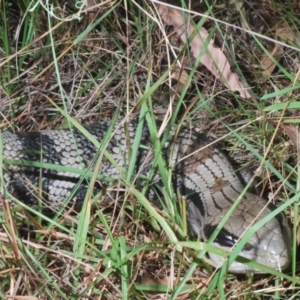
(146, 280)
(267, 63)
(213, 58)
(181, 77)
(298, 234)
(294, 134)
(91, 9)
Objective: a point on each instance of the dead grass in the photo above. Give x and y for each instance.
(59, 60)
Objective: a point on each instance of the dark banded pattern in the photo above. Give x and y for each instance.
(200, 171)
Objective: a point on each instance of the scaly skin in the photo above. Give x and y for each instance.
(201, 172)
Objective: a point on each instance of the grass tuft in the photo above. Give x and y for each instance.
(63, 64)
